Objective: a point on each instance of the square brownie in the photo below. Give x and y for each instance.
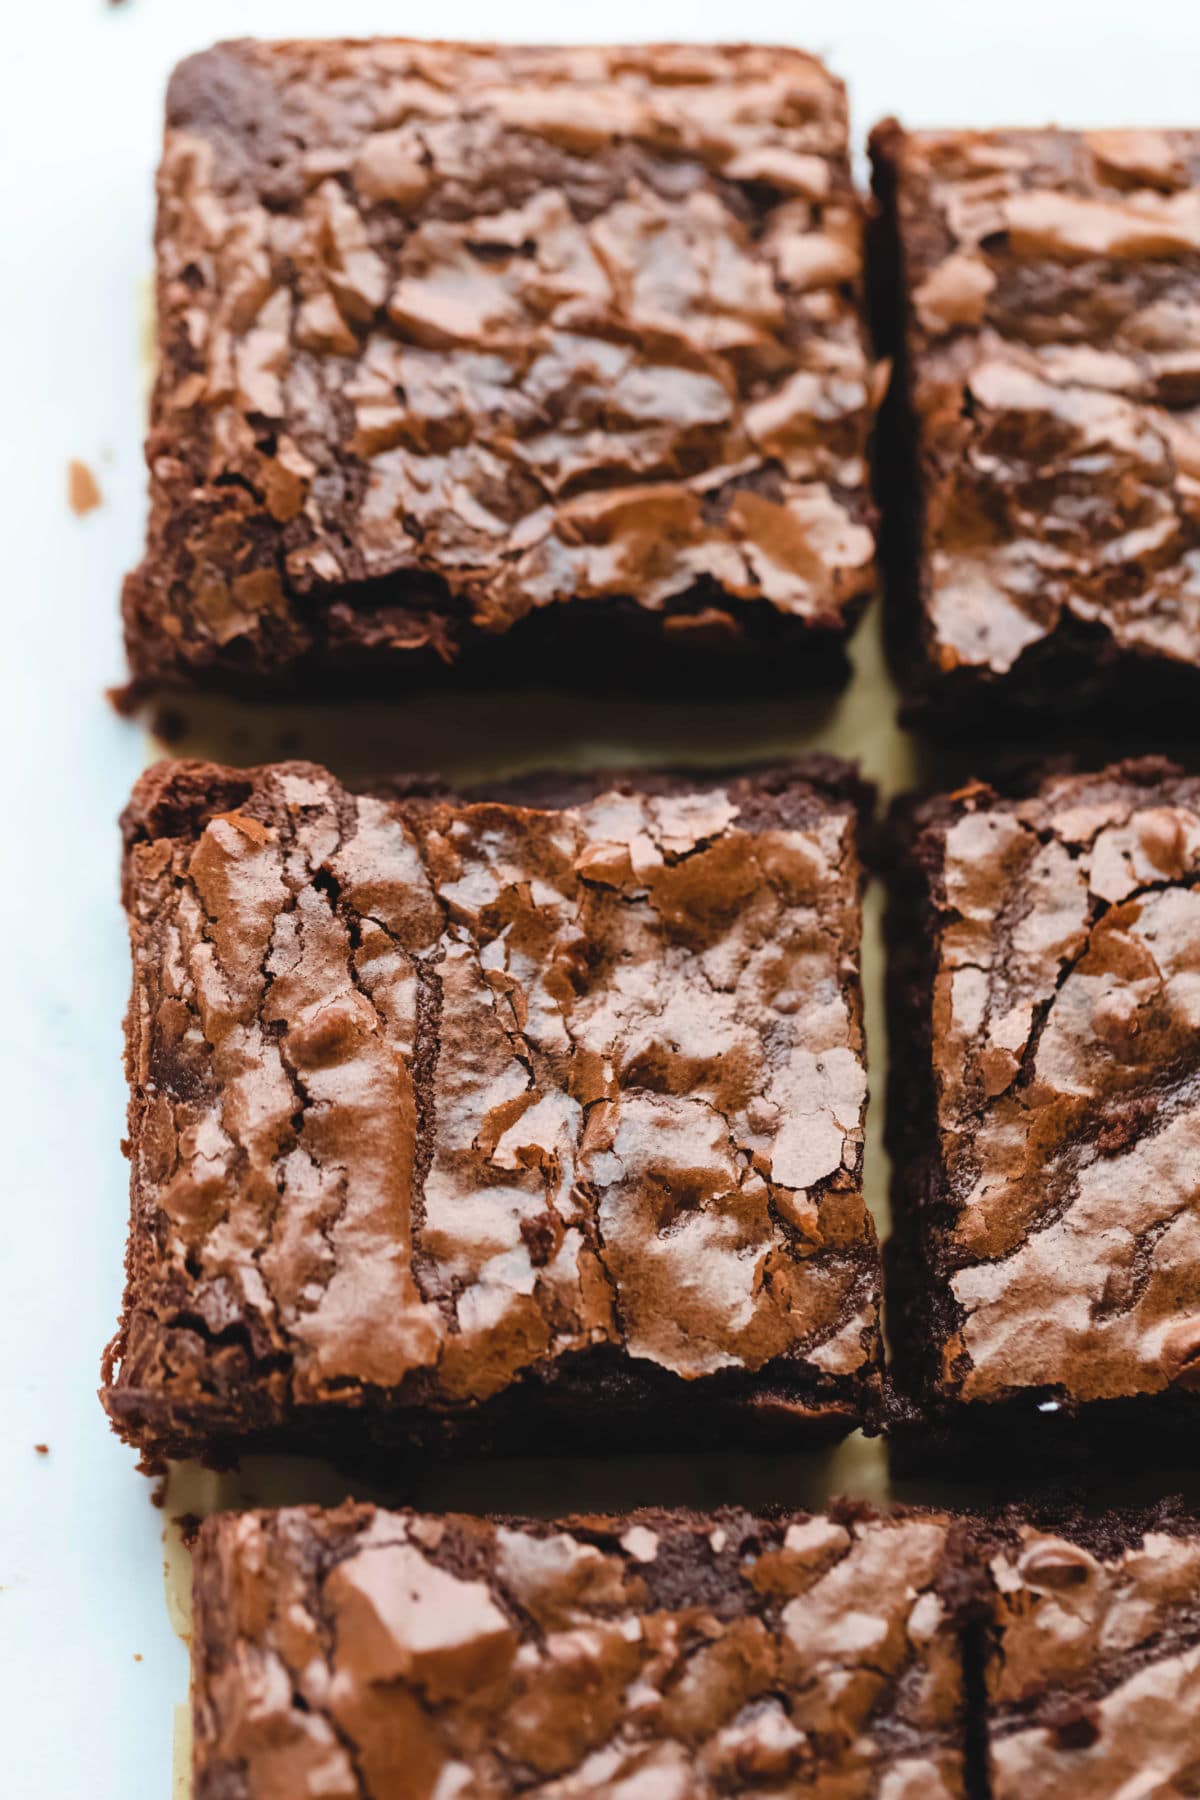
(1092, 1668)
(1041, 293)
(1043, 1122)
(503, 356)
(537, 1123)
(367, 1655)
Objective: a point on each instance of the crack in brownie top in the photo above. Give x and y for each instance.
(671, 1656)
(1052, 282)
(432, 1092)
(509, 326)
(1066, 1002)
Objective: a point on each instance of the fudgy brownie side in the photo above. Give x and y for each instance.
(1040, 292)
(919, 1317)
(666, 1652)
(1092, 1657)
(538, 361)
(1046, 1236)
(531, 1126)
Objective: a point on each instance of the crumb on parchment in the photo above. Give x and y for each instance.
(83, 490)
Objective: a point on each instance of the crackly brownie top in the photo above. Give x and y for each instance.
(435, 1090)
(368, 1655)
(1054, 286)
(1066, 1001)
(1093, 1677)
(539, 325)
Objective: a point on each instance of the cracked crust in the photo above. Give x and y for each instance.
(465, 1115)
(458, 339)
(370, 1655)
(1045, 961)
(1042, 296)
(1092, 1666)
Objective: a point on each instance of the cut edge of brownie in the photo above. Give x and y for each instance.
(588, 1402)
(177, 797)
(583, 1397)
(958, 1587)
(916, 1310)
(1106, 1531)
(898, 489)
(615, 647)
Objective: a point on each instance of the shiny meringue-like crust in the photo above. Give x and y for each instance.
(1053, 1214)
(453, 334)
(364, 1655)
(1047, 314)
(1093, 1668)
(433, 1097)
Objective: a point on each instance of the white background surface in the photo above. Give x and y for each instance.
(81, 1592)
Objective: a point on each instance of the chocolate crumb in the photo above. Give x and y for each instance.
(42, 1449)
(189, 1524)
(538, 1236)
(83, 490)
(1118, 1133)
(128, 699)
(1073, 1724)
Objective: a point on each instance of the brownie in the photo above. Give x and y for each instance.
(1041, 476)
(368, 1655)
(530, 1125)
(1045, 1263)
(530, 360)
(1093, 1662)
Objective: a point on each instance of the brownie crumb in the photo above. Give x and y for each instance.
(1119, 1132)
(1074, 1724)
(188, 1525)
(128, 699)
(538, 1235)
(83, 490)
